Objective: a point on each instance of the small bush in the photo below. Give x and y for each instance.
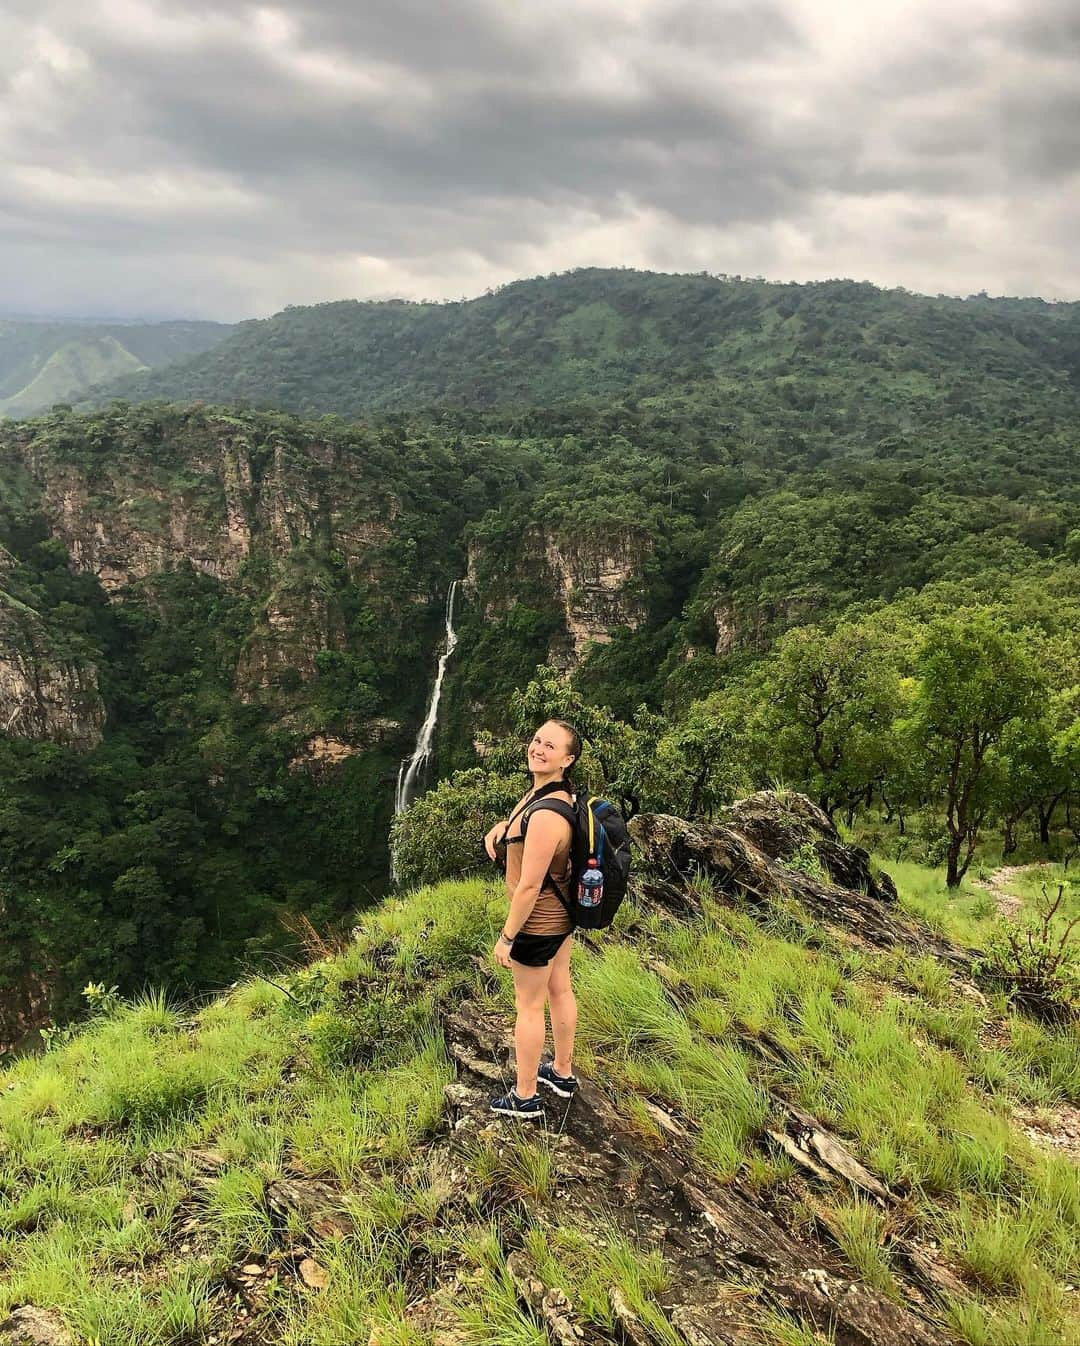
(1037, 961)
(807, 861)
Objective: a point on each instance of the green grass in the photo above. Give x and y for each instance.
(340, 1074)
(778, 1329)
(969, 914)
(863, 1231)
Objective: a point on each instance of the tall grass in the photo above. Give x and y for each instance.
(309, 1076)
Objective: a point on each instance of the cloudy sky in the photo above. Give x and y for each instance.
(223, 160)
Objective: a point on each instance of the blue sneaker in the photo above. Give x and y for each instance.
(510, 1105)
(563, 1085)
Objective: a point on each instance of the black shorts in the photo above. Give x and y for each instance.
(536, 950)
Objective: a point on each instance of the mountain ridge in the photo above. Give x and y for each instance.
(596, 334)
(786, 1133)
(47, 361)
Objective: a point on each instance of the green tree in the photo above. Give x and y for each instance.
(831, 700)
(1065, 751)
(1028, 774)
(976, 679)
(441, 834)
(696, 766)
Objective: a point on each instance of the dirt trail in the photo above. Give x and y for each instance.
(1008, 904)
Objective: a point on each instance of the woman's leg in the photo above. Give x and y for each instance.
(563, 1008)
(530, 992)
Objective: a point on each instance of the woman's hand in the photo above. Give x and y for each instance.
(501, 953)
(489, 839)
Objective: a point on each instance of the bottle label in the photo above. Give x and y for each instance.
(591, 887)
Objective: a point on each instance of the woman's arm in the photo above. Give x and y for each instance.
(490, 836)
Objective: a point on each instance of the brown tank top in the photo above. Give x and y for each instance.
(548, 916)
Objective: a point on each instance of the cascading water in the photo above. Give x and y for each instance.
(411, 769)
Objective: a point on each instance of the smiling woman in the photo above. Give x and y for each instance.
(535, 844)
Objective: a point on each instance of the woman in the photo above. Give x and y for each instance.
(535, 940)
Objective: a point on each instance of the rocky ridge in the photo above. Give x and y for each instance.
(230, 504)
(612, 1168)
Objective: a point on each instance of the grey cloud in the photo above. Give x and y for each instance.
(245, 156)
(1051, 28)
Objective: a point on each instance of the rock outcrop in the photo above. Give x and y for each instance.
(596, 580)
(227, 504)
(230, 504)
(43, 696)
(30, 1326)
(737, 628)
(744, 854)
(726, 1252)
(322, 754)
(783, 823)
(296, 623)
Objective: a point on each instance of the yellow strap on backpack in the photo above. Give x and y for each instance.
(593, 799)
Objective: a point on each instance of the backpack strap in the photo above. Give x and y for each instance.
(564, 810)
(559, 806)
(553, 787)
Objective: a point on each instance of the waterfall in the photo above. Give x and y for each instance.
(410, 770)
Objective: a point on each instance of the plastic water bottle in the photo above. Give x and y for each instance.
(591, 884)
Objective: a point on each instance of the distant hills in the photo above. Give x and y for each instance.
(596, 336)
(42, 363)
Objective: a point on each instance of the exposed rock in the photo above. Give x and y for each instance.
(727, 1253)
(727, 627)
(813, 1146)
(41, 696)
(297, 623)
(294, 501)
(24, 1007)
(781, 824)
(239, 498)
(594, 578)
(597, 578)
(149, 527)
(549, 1305)
(317, 1204)
(321, 754)
(673, 850)
(1055, 1128)
(29, 1326)
(145, 530)
(739, 628)
(199, 1168)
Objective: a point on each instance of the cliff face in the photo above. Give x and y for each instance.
(596, 581)
(233, 506)
(754, 629)
(599, 580)
(130, 526)
(132, 521)
(43, 696)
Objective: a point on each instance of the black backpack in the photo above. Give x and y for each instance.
(599, 858)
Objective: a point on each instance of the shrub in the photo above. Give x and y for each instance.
(1037, 962)
(441, 835)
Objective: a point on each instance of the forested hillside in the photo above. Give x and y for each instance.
(219, 626)
(801, 359)
(803, 564)
(42, 363)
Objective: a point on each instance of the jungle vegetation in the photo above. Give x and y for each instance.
(859, 518)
